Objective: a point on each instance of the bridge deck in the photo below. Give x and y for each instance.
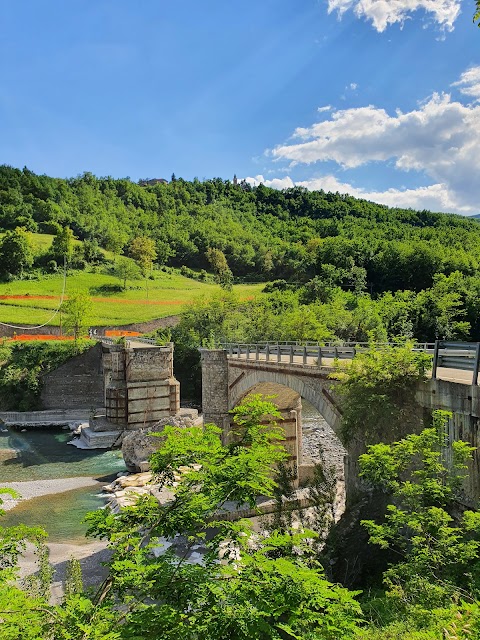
(443, 373)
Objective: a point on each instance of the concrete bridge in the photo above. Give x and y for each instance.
(299, 375)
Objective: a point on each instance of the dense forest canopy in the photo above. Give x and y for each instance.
(265, 234)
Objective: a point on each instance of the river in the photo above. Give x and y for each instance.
(38, 455)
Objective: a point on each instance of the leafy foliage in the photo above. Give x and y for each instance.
(62, 245)
(437, 546)
(15, 252)
(76, 311)
(266, 586)
(263, 233)
(378, 391)
(142, 250)
(125, 269)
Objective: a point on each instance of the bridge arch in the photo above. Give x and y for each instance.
(317, 396)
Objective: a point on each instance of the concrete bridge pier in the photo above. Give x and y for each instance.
(215, 392)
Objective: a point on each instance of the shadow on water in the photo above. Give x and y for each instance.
(40, 454)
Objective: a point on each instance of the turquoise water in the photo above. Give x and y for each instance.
(43, 455)
(60, 514)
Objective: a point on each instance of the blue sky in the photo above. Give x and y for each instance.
(378, 98)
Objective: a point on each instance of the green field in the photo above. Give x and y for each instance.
(167, 294)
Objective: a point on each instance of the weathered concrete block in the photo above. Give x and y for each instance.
(149, 364)
(149, 405)
(148, 391)
(140, 385)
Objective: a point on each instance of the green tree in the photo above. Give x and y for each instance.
(378, 391)
(92, 252)
(267, 587)
(23, 615)
(303, 324)
(62, 245)
(73, 578)
(142, 250)
(437, 545)
(125, 269)
(438, 313)
(220, 267)
(76, 314)
(114, 240)
(15, 252)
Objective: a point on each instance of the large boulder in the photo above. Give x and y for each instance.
(138, 445)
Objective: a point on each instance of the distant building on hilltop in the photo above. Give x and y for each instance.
(152, 181)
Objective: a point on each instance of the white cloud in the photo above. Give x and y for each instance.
(352, 86)
(469, 83)
(435, 197)
(383, 13)
(439, 138)
(275, 183)
(326, 108)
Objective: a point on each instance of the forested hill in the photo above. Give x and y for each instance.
(264, 234)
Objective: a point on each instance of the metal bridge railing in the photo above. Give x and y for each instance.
(464, 356)
(299, 353)
(109, 340)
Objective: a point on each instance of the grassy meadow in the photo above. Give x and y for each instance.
(166, 296)
(32, 301)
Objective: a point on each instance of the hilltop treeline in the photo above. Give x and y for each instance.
(264, 234)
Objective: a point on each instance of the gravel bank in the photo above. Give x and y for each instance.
(37, 488)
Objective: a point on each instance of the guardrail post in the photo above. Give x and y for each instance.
(257, 348)
(248, 352)
(267, 352)
(291, 353)
(319, 356)
(305, 355)
(336, 352)
(435, 360)
(279, 353)
(477, 364)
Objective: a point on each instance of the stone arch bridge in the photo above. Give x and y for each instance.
(229, 377)
(300, 375)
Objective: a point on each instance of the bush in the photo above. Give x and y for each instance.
(378, 391)
(52, 266)
(277, 285)
(106, 289)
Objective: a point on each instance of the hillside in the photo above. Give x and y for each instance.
(264, 234)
